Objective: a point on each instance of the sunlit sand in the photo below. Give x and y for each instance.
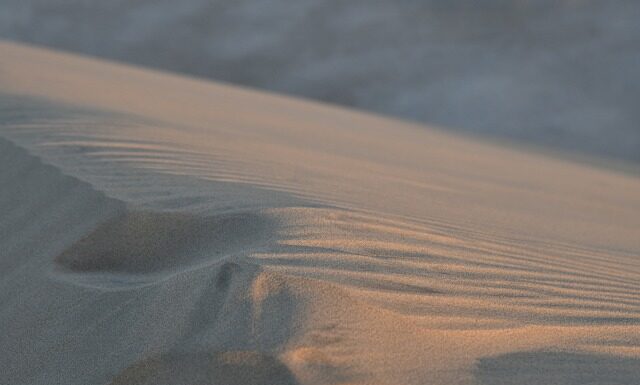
(159, 229)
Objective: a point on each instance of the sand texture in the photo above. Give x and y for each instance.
(158, 229)
(557, 73)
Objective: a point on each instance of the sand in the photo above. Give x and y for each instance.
(561, 73)
(159, 229)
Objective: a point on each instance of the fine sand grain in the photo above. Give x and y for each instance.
(158, 229)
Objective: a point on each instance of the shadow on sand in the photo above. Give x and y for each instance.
(557, 368)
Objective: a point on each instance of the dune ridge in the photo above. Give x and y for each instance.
(162, 230)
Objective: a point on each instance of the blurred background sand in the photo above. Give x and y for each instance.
(563, 74)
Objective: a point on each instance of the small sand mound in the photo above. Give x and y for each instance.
(217, 368)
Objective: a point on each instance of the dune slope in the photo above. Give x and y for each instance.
(157, 229)
(560, 73)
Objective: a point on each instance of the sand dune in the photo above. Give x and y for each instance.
(158, 229)
(560, 73)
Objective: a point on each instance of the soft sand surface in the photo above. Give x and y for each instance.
(157, 229)
(561, 73)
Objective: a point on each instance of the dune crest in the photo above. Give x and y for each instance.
(166, 230)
